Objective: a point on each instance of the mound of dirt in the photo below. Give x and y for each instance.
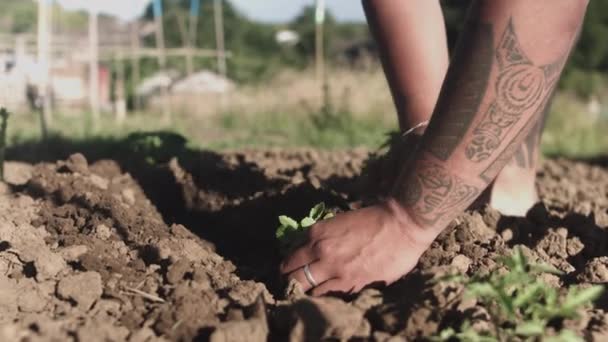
(185, 251)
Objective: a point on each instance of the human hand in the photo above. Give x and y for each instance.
(354, 249)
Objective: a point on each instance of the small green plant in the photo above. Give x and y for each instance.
(292, 233)
(4, 118)
(521, 306)
(156, 147)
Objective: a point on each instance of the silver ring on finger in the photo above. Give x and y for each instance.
(309, 276)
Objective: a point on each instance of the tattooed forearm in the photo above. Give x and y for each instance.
(492, 99)
(526, 154)
(471, 78)
(524, 143)
(520, 86)
(489, 173)
(434, 193)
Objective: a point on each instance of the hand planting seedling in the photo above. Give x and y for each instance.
(292, 233)
(521, 305)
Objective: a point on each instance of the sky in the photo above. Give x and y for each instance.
(264, 10)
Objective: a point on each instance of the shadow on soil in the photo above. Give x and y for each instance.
(233, 205)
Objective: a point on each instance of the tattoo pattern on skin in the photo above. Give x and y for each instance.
(491, 171)
(430, 192)
(520, 86)
(438, 193)
(471, 78)
(526, 138)
(526, 153)
(412, 193)
(525, 156)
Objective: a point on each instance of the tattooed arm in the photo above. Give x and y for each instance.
(414, 63)
(499, 82)
(500, 79)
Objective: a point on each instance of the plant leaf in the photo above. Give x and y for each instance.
(280, 233)
(288, 221)
(577, 298)
(317, 211)
(307, 222)
(328, 215)
(529, 329)
(544, 268)
(445, 334)
(518, 261)
(482, 290)
(527, 295)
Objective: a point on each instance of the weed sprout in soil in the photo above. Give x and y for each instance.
(521, 305)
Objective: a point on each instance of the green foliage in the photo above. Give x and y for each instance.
(17, 16)
(572, 131)
(520, 304)
(255, 53)
(256, 56)
(583, 83)
(328, 116)
(292, 233)
(156, 147)
(592, 49)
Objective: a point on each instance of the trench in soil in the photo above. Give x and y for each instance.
(235, 207)
(233, 199)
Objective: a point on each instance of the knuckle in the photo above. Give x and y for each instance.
(315, 231)
(322, 248)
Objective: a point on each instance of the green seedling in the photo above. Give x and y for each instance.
(520, 304)
(292, 233)
(156, 147)
(4, 117)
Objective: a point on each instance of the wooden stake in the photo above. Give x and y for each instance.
(3, 123)
(44, 60)
(219, 37)
(194, 13)
(184, 34)
(162, 59)
(135, 56)
(120, 106)
(94, 67)
(319, 35)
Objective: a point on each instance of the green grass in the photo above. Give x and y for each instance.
(223, 131)
(570, 130)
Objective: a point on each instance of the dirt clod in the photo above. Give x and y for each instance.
(596, 271)
(83, 289)
(75, 163)
(103, 232)
(327, 318)
(186, 250)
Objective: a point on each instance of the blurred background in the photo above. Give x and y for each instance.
(239, 73)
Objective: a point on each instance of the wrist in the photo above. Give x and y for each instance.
(417, 231)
